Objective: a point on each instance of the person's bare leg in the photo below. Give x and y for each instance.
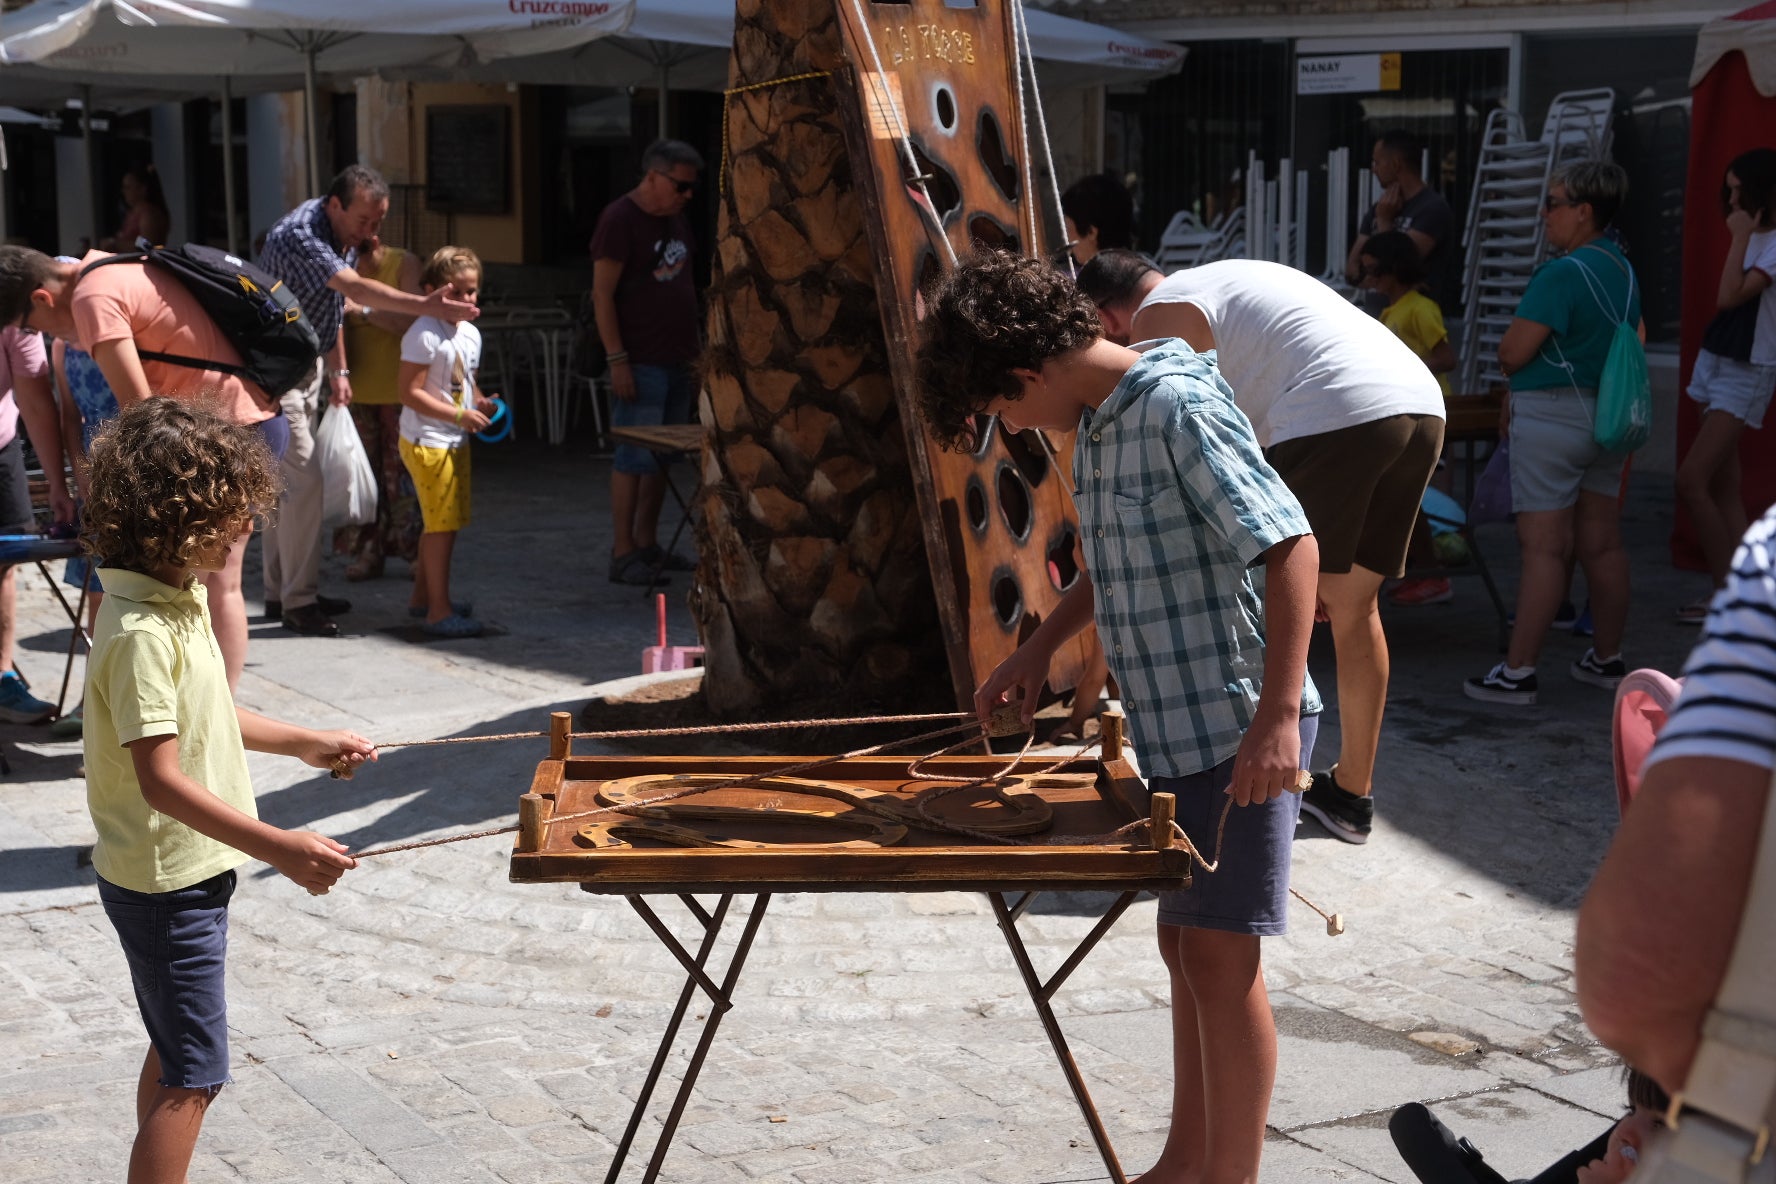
(1545, 538)
(648, 502)
(625, 494)
(228, 610)
(147, 1084)
(1181, 1160)
(1352, 601)
(1598, 539)
(1237, 1037)
(8, 615)
(168, 1135)
(435, 548)
(1703, 485)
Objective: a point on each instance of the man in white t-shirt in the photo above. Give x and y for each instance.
(1350, 418)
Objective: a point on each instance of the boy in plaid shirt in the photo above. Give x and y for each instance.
(1177, 508)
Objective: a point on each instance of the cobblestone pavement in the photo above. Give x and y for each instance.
(429, 1021)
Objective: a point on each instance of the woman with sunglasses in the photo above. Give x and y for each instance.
(1564, 488)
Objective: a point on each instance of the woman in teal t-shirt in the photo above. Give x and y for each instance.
(1564, 488)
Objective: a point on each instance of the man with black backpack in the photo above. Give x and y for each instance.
(314, 250)
(149, 330)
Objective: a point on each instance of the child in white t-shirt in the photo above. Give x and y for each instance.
(1735, 371)
(440, 406)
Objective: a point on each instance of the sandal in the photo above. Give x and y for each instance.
(455, 625)
(461, 608)
(1695, 612)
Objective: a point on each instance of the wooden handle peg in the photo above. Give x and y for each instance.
(1335, 925)
(533, 812)
(1165, 813)
(341, 769)
(1110, 735)
(560, 744)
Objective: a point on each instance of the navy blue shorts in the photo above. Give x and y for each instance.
(1250, 892)
(663, 394)
(177, 945)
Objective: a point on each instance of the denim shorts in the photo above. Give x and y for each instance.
(1740, 389)
(1250, 891)
(176, 944)
(663, 394)
(1553, 457)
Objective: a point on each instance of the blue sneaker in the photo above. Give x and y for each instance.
(19, 706)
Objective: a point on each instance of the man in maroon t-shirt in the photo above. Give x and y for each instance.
(645, 299)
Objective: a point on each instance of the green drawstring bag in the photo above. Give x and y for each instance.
(1624, 419)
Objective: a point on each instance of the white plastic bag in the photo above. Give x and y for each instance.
(348, 483)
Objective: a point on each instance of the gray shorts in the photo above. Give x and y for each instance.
(1553, 456)
(1250, 892)
(16, 515)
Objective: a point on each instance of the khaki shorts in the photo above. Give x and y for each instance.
(1361, 486)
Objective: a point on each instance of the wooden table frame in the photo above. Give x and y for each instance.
(942, 864)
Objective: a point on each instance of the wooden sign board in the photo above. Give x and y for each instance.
(933, 93)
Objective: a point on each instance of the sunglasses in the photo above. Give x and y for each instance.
(683, 188)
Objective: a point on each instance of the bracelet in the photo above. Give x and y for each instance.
(621, 355)
(459, 412)
(339, 374)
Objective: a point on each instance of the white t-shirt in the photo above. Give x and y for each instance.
(451, 355)
(1301, 359)
(1760, 252)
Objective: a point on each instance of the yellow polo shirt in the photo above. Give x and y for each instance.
(1416, 320)
(155, 670)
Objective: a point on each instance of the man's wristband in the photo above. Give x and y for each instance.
(339, 374)
(621, 355)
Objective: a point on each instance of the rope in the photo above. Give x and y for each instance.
(722, 177)
(752, 778)
(696, 730)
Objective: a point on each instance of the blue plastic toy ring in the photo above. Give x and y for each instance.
(499, 416)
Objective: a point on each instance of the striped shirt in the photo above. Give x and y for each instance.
(1728, 705)
(1176, 503)
(302, 251)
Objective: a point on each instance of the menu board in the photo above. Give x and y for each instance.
(468, 159)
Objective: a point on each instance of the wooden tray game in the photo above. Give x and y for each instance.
(849, 826)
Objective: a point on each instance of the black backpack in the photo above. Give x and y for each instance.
(277, 345)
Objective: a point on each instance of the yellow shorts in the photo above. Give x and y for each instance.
(441, 479)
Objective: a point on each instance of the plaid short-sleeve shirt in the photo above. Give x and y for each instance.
(1176, 503)
(301, 251)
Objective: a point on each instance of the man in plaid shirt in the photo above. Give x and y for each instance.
(314, 250)
(1177, 507)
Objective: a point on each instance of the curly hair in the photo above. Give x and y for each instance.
(169, 483)
(447, 263)
(997, 312)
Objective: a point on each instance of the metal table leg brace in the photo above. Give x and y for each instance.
(721, 999)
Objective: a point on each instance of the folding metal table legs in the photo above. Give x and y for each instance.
(721, 1000)
(1040, 994)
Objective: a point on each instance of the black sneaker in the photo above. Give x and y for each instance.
(1598, 673)
(1349, 816)
(332, 606)
(1498, 687)
(635, 570)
